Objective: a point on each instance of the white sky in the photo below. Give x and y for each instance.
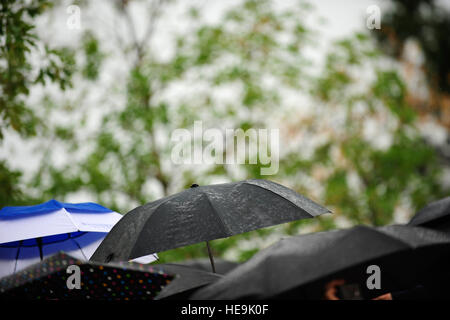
(342, 18)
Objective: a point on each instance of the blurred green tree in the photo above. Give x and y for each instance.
(425, 23)
(19, 45)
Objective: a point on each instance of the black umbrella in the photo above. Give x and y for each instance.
(202, 214)
(401, 252)
(435, 215)
(222, 266)
(187, 281)
(117, 281)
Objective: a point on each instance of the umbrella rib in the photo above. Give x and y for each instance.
(79, 247)
(71, 219)
(286, 199)
(393, 237)
(155, 209)
(226, 230)
(17, 255)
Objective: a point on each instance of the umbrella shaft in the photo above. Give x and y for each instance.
(39, 243)
(211, 259)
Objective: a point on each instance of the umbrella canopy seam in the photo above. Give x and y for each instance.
(131, 255)
(225, 227)
(79, 247)
(71, 219)
(284, 198)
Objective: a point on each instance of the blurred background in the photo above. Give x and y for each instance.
(90, 92)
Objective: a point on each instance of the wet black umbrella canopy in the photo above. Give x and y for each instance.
(187, 280)
(435, 215)
(294, 263)
(203, 213)
(221, 266)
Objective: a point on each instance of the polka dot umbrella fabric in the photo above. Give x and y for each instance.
(53, 278)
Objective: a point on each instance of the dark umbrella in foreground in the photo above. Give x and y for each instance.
(435, 215)
(222, 266)
(401, 252)
(203, 213)
(119, 281)
(187, 281)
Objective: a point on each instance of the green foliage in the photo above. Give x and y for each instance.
(9, 180)
(427, 22)
(18, 42)
(390, 89)
(16, 73)
(407, 167)
(93, 56)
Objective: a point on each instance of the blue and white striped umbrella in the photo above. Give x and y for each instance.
(28, 234)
